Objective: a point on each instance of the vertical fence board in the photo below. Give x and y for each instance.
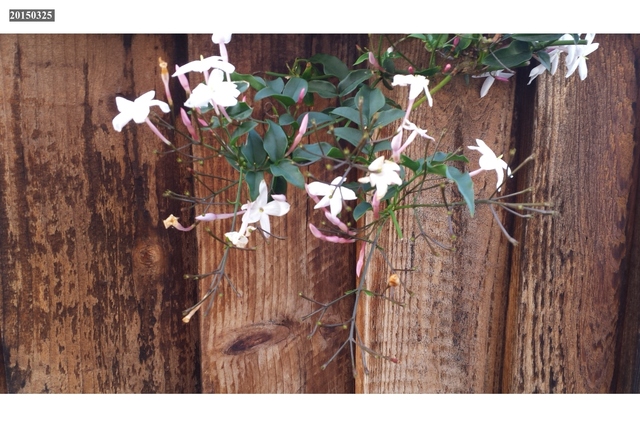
(569, 273)
(91, 281)
(448, 338)
(257, 343)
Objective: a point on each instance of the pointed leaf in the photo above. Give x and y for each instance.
(275, 141)
(288, 171)
(253, 182)
(253, 150)
(331, 65)
(372, 101)
(465, 185)
(352, 80)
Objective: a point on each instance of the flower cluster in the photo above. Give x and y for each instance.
(371, 174)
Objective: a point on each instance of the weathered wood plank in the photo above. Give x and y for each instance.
(257, 343)
(570, 271)
(448, 338)
(91, 281)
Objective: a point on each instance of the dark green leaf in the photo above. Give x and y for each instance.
(275, 141)
(331, 65)
(352, 80)
(348, 134)
(288, 171)
(388, 116)
(348, 113)
(361, 209)
(336, 153)
(240, 111)
(323, 88)
(286, 119)
(279, 185)
(242, 129)
(256, 83)
(372, 101)
(253, 182)
(312, 152)
(545, 60)
(410, 163)
(274, 87)
(293, 88)
(465, 185)
(319, 118)
(253, 150)
(536, 37)
(514, 54)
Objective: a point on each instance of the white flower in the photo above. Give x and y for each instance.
(492, 76)
(221, 38)
(333, 193)
(382, 173)
(216, 92)
(137, 110)
(577, 56)
(417, 85)
(205, 64)
(259, 210)
(237, 239)
(554, 57)
(396, 142)
(488, 161)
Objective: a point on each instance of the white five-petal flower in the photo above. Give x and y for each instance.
(137, 110)
(577, 56)
(216, 92)
(259, 210)
(204, 65)
(488, 161)
(491, 77)
(333, 193)
(417, 84)
(382, 173)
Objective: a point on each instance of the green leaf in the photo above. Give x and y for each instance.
(545, 60)
(536, 37)
(348, 134)
(286, 119)
(293, 88)
(319, 118)
(288, 171)
(388, 116)
(372, 101)
(253, 150)
(279, 185)
(242, 129)
(409, 163)
(256, 83)
(274, 87)
(507, 57)
(240, 111)
(331, 65)
(311, 153)
(323, 88)
(352, 80)
(465, 185)
(253, 182)
(348, 113)
(275, 141)
(336, 153)
(361, 209)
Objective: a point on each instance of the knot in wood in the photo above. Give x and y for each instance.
(149, 258)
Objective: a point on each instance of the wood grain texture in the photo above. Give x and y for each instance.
(91, 281)
(449, 337)
(570, 272)
(257, 343)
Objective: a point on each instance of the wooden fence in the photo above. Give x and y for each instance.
(92, 283)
